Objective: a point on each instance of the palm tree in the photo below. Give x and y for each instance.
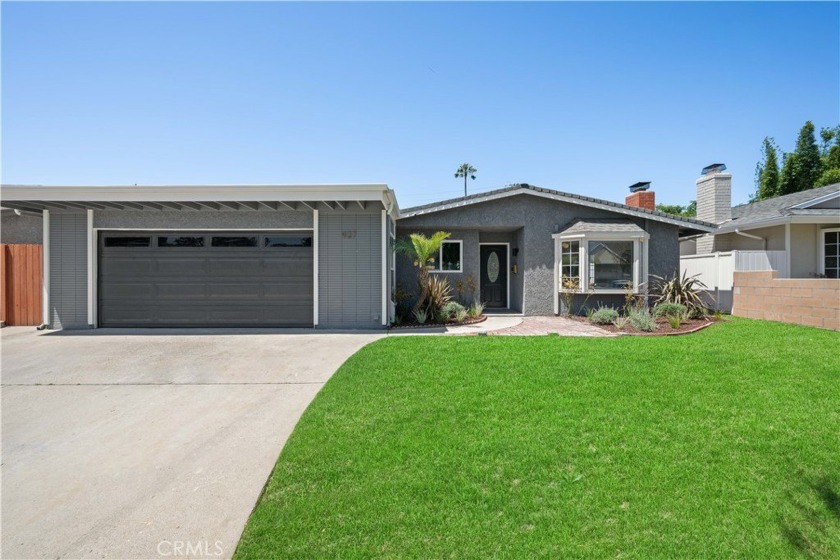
(466, 171)
(422, 251)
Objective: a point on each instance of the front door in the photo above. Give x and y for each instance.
(494, 275)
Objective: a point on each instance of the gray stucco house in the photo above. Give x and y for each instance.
(322, 255)
(516, 248)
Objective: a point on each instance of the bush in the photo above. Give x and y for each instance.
(450, 311)
(440, 293)
(642, 320)
(420, 316)
(686, 291)
(604, 316)
(668, 309)
(476, 309)
(461, 315)
(675, 321)
(621, 322)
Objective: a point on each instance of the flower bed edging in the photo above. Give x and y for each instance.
(438, 325)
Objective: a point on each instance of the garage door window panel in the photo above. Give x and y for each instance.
(272, 241)
(178, 241)
(221, 241)
(137, 241)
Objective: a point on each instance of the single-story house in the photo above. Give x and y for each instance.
(799, 231)
(214, 256)
(322, 255)
(518, 247)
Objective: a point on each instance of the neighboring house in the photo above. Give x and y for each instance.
(799, 229)
(21, 265)
(252, 256)
(776, 259)
(518, 247)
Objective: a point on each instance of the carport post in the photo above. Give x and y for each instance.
(315, 244)
(45, 255)
(91, 271)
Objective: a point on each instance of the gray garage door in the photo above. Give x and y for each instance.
(197, 279)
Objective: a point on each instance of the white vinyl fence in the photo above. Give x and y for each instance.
(717, 271)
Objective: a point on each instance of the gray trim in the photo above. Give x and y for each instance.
(222, 219)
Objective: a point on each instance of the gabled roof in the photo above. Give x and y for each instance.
(524, 188)
(602, 226)
(785, 208)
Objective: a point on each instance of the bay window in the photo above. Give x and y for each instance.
(590, 259)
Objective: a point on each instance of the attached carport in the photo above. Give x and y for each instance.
(214, 256)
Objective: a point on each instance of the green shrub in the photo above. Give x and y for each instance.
(621, 322)
(461, 315)
(642, 320)
(668, 309)
(604, 316)
(476, 309)
(675, 321)
(450, 311)
(420, 316)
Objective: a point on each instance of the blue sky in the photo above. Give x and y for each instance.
(586, 98)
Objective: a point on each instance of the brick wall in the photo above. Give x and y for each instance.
(804, 301)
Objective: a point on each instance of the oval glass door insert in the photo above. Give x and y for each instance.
(493, 267)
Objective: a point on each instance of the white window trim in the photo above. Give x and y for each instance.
(439, 259)
(821, 248)
(640, 261)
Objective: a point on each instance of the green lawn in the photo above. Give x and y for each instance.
(725, 443)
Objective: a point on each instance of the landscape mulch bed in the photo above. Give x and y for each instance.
(663, 327)
(427, 325)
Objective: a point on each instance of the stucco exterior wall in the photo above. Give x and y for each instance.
(26, 228)
(535, 219)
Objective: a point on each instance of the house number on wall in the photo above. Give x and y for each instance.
(349, 234)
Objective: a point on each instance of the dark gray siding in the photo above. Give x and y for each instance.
(350, 269)
(68, 270)
(538, 218)
(26, 228)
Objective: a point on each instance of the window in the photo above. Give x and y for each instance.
(610, 264)
(288, 241)
(233, 241)
(128, 241)
(570, 265)
(180, 241)
(448, 258)
(831, 253)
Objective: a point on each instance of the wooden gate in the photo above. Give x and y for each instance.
(20, 284)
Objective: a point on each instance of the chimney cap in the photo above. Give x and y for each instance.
(713, 168)
(640, 186)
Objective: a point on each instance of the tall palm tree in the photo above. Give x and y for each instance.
(466, 171)
(422, 251)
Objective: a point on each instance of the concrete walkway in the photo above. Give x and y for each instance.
(140, 444)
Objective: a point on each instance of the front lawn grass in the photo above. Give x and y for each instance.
(725, 443)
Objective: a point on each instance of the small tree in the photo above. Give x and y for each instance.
(803, 167)
(767, 171)
(466, 171)
(789, 180)
(422, 251)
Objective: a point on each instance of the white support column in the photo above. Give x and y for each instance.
(384, 268)
(45, 255)
(91, 271)
(646, 268)
(315, 248)
(787, 251)
(556, 276)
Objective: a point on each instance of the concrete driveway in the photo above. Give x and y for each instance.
(147, 443)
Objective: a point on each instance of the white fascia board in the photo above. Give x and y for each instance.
(179, 193)
(818, 200)
(604, 235)
(561, 198)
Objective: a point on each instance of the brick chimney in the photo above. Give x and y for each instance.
(640, 196)
(714, 194)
